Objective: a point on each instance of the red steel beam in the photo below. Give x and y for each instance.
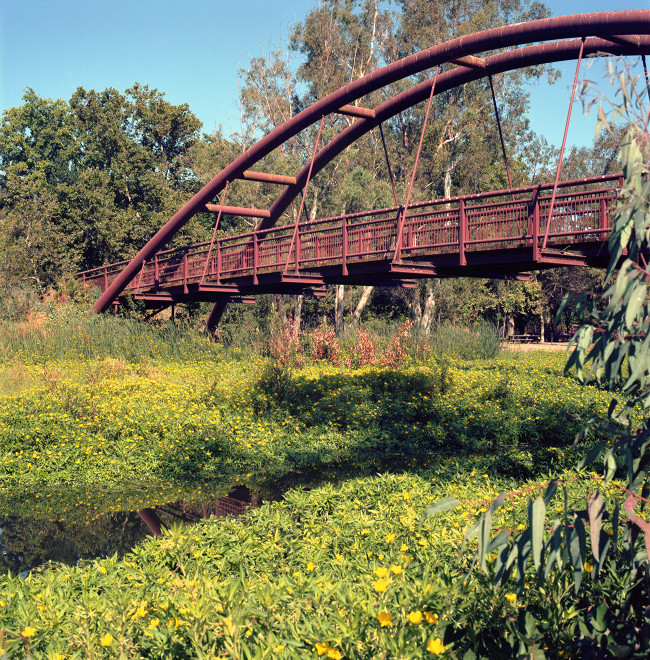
(619, 23)
(264, 177)
(238, 210)
(356, 111)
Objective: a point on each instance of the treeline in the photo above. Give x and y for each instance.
(88, 181)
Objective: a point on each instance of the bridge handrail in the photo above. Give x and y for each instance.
(419, 212)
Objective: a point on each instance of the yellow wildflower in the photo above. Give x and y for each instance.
(511, 598)
(588, 567)
(311, 566)
(322, 648)
(436, 646)
(431, 617)
(415, 617)
(380, 585)
(28, 631)
(381, 572)
(385, 618)
(106, 640)
(396, 569)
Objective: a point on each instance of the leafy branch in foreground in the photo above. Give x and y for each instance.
(613, 350)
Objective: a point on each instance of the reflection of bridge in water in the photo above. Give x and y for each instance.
(504, 233)
(237, 502)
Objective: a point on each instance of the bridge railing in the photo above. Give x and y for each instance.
(469, 223)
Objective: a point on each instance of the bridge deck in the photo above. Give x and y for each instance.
(499, 233)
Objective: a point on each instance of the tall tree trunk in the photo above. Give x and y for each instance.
(363, 301)
(280, 310)
(415, 307)
(297, 314)
(541, 327)
(338, 310)
(429, 308)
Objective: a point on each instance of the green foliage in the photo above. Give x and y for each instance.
(480, 341)
(88, 181)
(173, 410)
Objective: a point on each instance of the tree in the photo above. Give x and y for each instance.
(88, 181)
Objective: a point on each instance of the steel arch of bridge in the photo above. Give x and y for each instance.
(550, 40)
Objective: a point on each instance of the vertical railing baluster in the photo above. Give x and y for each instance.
(536, 224)
(344, 246)
(255, 257)
(462, 232)
(297, 249)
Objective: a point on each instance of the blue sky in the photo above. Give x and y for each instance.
(191, 50)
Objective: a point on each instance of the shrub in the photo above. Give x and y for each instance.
(324, 345)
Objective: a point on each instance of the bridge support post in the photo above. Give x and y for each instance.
(216, 315)
(603, 221)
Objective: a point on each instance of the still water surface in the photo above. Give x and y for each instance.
(76, 526)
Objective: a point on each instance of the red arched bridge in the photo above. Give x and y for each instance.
(504, 233)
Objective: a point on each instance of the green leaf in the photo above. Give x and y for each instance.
(591, 456)
(610, 466)
(499, 540)
(484, 538)
(523, 550)
(537, 518)
(578, 550)
(550, 491)
(440, 507)
(555, 548)
(634, 305)
(595, 511)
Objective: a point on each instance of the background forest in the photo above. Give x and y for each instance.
(87, 181)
